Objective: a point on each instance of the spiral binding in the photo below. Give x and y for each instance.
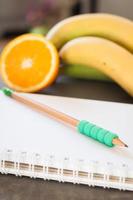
(77, 171)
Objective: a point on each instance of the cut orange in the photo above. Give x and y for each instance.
(29, 63)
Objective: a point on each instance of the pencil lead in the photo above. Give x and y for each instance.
(117, 141)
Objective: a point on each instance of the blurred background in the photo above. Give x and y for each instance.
(22, 16)
(18, 16)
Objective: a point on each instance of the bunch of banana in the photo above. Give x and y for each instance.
(97, 46)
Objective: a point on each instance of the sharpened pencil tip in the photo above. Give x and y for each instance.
(117, 141)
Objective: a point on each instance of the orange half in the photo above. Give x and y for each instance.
(29, 63)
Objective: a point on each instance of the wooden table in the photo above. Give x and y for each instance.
(14, 188)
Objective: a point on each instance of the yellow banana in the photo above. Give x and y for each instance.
(104, 55)
(108, 26)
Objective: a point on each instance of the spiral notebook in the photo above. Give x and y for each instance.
(37, 146)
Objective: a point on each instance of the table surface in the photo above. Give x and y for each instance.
(16, 188)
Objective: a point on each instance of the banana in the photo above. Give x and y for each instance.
(84, 72)
(108, 26)
(104, 55)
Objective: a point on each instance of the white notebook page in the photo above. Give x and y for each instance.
(23, 129)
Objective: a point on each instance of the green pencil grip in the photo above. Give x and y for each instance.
(86, 128)
(97, 133)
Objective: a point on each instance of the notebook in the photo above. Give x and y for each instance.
(38, 146)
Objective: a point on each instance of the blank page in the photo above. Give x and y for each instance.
(23, 129)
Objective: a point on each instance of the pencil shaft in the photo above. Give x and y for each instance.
(44, 109)
(104, 136)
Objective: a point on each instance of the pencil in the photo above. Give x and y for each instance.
(84, 127)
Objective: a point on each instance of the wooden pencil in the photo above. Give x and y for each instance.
(44, 109)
